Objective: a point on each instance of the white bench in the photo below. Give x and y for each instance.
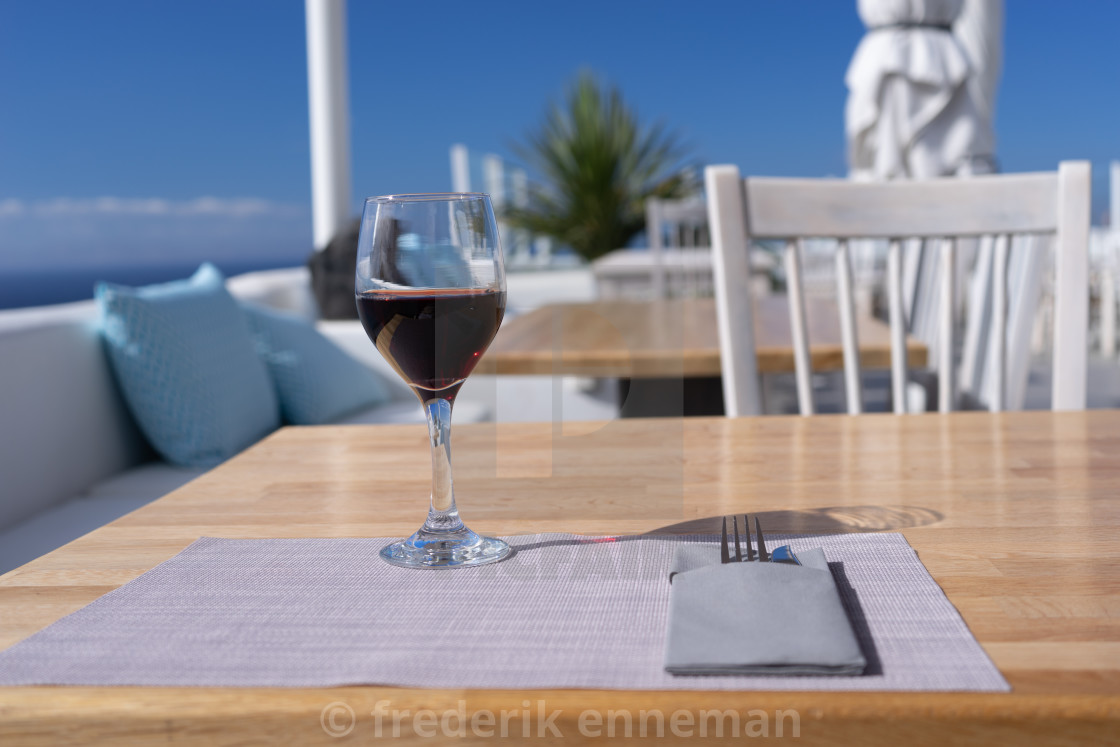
(71, 456)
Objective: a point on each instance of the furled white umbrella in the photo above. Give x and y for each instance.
(921, 104)
(922, 89)
(979, 28)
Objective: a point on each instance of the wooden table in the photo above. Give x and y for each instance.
(1015, 515)
(677, 337)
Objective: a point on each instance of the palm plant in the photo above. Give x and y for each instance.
(598, 167)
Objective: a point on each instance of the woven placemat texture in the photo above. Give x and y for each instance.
(564, 611)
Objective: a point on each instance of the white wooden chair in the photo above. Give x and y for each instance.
(680, 247)
(679, 260)
(945, 209)
(1104, 264)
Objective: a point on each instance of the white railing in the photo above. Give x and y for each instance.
(506, 186)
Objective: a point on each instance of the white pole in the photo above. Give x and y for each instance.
(519, 187)
(494, 182)
(519, 183)
(329, 113)
(460, 168)
(494, 179)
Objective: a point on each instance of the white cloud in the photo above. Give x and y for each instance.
(11, 207)
(237, 207)
(103, 231)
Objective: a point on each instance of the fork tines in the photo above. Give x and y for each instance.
(747, 531)
(724, 556)
(783, 553)
(762, 554)
(745, 537)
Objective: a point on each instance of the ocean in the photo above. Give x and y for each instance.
(38, 287)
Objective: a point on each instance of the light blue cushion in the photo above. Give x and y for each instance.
(184, 359)
(317, 382)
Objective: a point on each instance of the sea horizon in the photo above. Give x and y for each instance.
(39, 286)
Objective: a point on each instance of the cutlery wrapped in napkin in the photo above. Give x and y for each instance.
(757, 618)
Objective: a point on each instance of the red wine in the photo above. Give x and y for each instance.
(433, 338)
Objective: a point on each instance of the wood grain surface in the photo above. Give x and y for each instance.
(677, 337)
(1015, 515)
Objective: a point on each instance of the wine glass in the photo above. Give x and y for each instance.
(431, 292)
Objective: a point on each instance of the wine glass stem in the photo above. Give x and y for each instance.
(443, 516)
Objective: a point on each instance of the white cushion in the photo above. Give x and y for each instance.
(106, 501)
(63, 424)
(287, 289)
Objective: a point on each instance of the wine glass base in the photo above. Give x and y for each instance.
(445, 550)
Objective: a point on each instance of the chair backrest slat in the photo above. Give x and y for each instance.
(798, 327)
(978, 329)
(1001, 248)
(946, 368)
(1108, 311)
(1026, 265)
(853, 390)
(898, 326)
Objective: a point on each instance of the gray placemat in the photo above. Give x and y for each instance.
(564, 612)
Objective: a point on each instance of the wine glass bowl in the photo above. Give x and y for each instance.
(430, 291)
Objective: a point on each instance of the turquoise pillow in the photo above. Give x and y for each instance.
(316, 380)
(184, 359)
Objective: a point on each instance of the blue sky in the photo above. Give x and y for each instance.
(151, 131)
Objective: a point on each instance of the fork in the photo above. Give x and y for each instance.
(782, 554)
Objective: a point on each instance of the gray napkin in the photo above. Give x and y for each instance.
(757, 618)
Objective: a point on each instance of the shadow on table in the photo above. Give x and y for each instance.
(516, 549)
(829, 520)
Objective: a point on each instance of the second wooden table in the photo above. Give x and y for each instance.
(672, 338)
